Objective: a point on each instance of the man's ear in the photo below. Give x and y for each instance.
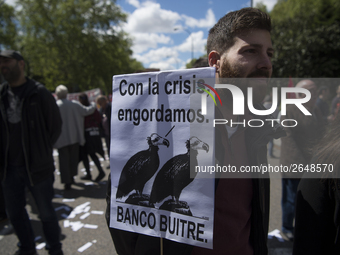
(214, 59)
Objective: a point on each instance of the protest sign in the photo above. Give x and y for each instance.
(158, 136)
(91, 94)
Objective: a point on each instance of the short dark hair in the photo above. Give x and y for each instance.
(221, 35)
(83, 99)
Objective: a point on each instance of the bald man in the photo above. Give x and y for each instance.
(296, 148)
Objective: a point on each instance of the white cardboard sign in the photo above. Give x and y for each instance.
(158, 134)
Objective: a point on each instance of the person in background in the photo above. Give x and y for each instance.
(335, 106)
(296, 149)
(317, 221)
(105, 110)
(268, 104)
(72, 135)
(322, 101)
(93, 143)
(30, 123)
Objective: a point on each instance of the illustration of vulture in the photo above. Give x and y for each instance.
(174, 176)
(140, 167)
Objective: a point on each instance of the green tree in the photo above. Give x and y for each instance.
(7, 26)
(75, 43)
(191, 63)
(261, 6)
(306, 38)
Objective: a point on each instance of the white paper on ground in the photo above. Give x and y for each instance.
(85, 246)
(84, 216)
(91, 226)
(97, 212)
(40, 246)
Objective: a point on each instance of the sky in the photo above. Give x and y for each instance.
(166, 33)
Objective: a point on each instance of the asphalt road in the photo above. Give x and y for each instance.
(81, 217)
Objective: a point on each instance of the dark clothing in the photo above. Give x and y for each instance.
(317, 223)
(255, 142)
(43, 193)
(296, 147)
(289, 189)
(106, 125)
(29, 112)
(3, 214)
(335, 105)
(40, 128)
(324, 107)
(13, 110)
(93, 142)
(68, 162)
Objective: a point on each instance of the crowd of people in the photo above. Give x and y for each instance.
(33, 123)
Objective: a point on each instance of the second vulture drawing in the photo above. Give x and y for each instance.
(174, 176)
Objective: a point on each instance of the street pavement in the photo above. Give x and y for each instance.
(81, 214)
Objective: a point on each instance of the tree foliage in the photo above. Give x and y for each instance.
(261, 6)
(75, 43)
(190, 63)
(7, 26)
(306, 38)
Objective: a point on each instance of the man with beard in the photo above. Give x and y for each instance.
(30, 123)
(239, 47)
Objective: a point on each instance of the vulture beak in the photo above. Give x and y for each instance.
(205, 147)
(166, 142)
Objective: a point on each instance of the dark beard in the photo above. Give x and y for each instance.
(228, 75)
(228, 72)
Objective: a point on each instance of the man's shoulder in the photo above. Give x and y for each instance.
(35, 86)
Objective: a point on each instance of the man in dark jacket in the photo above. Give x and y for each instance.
(30, 124)
(239, 46)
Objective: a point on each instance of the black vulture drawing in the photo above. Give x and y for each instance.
(140, 167)
(174, 176)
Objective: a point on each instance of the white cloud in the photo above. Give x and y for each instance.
(134, 3)
(150, 18)
(149, 26)
(157, 55)
(145, 41)
(198, 42)
(162, 65)
(208, 22)
(167, 58)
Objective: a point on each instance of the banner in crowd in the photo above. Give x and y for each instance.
(91, 94)
(158, 135)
